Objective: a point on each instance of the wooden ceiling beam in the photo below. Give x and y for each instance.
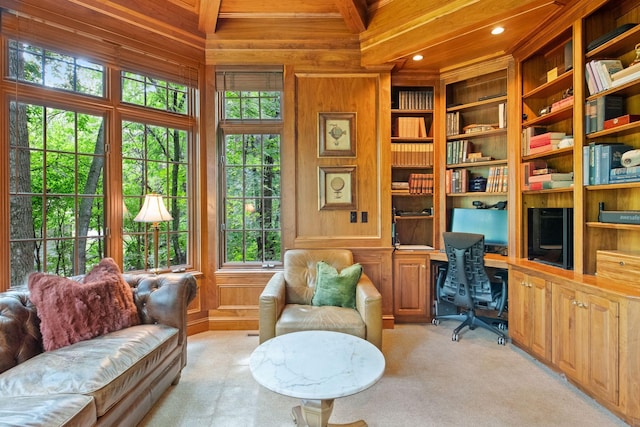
(208, 15)
(354, 13)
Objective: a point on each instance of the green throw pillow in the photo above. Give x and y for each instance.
(336, 289)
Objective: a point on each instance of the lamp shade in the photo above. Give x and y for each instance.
(153, 210)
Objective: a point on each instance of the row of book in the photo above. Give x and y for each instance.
(415, 100)
(605, 74)
(601, 109)
(549, 180)
(453, 123)
(457, 180)
(598, 74)
(602, 163)
(411, 127)
(418, 183)
(411, 154)
(458, 151)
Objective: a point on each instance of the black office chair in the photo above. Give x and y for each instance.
(465, 287)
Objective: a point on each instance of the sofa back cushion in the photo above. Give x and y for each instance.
(20, 337)
(300, 270)
(70, 311)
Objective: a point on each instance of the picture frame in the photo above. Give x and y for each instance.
(337, 188)
(337, 134)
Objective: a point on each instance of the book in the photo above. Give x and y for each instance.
(594, 168)
(608, 107)
(558, 176)
(608, 67)
(624, 171)
(528, 169)
(527, 134)
(548, 185)
(543, 171)
(633, 70)
(608, 157)
(634, 177)
(545, 138)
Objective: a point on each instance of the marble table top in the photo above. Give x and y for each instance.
(317, 364)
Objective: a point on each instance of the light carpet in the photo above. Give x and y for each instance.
(429, 380)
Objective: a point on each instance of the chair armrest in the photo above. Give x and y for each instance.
(271, 304)
(369, 305)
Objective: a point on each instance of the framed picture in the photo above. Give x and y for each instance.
(337, 134)
(337, 187)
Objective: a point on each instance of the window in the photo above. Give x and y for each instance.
(250, 128)
(154, 160)
(62, 162)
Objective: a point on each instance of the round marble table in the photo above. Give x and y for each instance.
(317, 367)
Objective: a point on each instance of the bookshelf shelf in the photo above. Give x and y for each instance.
(619, 186)
(417, 140)
(628, 129)
(397, 111)
(594, 224)
(482, 134)
(549, 191)
(412, 217)
(617, 46)
(558, 84)
(477, 164)
(627, 89)
(478, 104)
(551, 118)
(549, 154)
(478, 193)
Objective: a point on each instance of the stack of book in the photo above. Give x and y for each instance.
(630, 174)
(458, 150)
(599, 74)
(456, 181)
(411, 154)
(626, 75)
(533, 167)
(598, 110)
(529, 133)
(545, 142)
(498, 179)
(420, 183)
(551, 180)
(600, 159)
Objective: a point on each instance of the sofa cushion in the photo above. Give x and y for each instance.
(106, 367)
(50, 410)
(337, 289)
(70, 311)
(297, 317)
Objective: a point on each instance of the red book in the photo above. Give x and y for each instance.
(545, 138)
(541, 149)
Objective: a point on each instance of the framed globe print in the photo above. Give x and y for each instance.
(337, 187)
(337, 134)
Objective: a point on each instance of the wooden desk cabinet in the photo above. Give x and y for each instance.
(411, 290)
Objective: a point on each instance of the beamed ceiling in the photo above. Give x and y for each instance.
(377, 33)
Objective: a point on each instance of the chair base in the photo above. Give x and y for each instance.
(471, 320)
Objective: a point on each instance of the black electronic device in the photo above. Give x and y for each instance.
(610, 35)
(550, 236)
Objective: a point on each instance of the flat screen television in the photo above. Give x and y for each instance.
(492, 223)
(550, 236)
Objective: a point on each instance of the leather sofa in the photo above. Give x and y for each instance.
(110, 380)
(285, 303)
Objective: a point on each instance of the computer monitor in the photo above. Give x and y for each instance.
(490, 222)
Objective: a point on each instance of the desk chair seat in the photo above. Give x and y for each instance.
(465, 287)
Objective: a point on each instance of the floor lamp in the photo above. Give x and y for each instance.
(153, 211)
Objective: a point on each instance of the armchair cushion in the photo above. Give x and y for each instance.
(336, 289)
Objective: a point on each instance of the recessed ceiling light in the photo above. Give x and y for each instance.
(417, 57)
(497, 30)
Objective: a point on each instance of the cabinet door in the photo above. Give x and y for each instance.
(567, 332)
(411, 300)
(540, 317)
(603, 350)
(518, 308)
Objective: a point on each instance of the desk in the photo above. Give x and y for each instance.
(317, 367)
(490, 260)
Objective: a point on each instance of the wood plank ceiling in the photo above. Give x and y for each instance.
(378, 33)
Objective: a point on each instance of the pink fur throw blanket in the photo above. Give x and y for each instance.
(71, 311)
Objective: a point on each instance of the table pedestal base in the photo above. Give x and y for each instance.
(316, 413)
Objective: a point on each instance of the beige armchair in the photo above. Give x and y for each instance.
(285, 303)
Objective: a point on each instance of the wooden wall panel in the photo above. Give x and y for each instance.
(337, 93)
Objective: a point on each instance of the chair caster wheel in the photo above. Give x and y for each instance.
(454, 337)
(435, 322)
(501, 341)
(502, 326)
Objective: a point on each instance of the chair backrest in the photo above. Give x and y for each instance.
(466, 280)
(300, 270)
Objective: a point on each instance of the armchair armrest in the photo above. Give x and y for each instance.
(271, 304)
(369, 305)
